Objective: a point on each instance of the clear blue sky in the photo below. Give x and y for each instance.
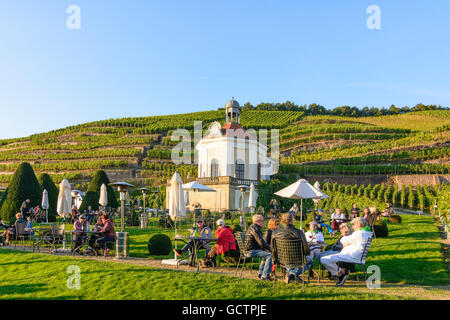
(142, 58)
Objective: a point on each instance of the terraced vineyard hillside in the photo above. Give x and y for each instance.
(139, 149)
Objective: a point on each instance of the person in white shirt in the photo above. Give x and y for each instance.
(315, 239)
(336, 219)
(353, 247)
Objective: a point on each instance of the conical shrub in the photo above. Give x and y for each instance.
(93, 192)
(46, 182)
(23, 185)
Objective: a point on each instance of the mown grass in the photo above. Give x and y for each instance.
(37, 276)
(411, 254)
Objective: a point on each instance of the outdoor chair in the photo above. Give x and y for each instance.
(371, 219)
(21, 233)
(362, 263)
(243, 254)
(288, 254)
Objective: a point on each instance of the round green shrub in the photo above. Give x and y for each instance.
(395, 218)
(159, 244)
(381, 229)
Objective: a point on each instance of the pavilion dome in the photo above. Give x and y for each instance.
(232, 104)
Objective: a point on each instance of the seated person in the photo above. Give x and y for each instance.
(314, 238)
(108, 234)
(225, 242)
(289, 232)
(389, 211)
(274, 209)
(75, 214)
(11, 231)
(373, 216)
(354, 212)
(5, 227)
(336, 219)
(80, 227)
(35, 213)
(351, 252)
(366, 213)
(202, 231)
(271, 226)
(320, 222)
(294, 210)
(257, 247)
(346, 230)
(29, 226)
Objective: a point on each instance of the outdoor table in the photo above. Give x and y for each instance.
(197, 242)
(83, 239)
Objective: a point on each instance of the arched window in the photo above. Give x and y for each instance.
(240, 169)
(214, 168)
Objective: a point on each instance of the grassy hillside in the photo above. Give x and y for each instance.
(415, 142)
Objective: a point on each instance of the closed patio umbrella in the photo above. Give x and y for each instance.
(176, 204)
(300, 190)
(103, 201)
(64, 207)
(45, 204)
(252, 198)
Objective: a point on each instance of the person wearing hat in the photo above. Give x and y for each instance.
(199, 231)
(225, 243)
(319, 220)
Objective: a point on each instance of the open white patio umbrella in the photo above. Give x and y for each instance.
(197, 187)
(252, 198)
(103, 201)
(45, 204)
(64, 207)
(300, 190)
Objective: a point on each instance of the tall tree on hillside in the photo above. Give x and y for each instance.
(23, 185)
(93, 192)
(46, 182)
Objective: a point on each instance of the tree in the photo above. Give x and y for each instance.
(93, 193)
(23, 185)
(46, 182)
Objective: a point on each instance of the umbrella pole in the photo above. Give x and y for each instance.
(176, 258)
(46, 215)
(301, 213)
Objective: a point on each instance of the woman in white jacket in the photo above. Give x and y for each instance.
(351, 252)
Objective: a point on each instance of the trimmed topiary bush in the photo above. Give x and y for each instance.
(160, 245)
(381, 229)
(93, 192)
(395, 218)
(46, 182)
(22, 186)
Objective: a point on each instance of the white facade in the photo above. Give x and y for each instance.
(234, 154)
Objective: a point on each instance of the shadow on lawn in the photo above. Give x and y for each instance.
(417, 235)
(21, 288)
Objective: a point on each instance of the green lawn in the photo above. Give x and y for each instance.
(40, 276)
(410, 255)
